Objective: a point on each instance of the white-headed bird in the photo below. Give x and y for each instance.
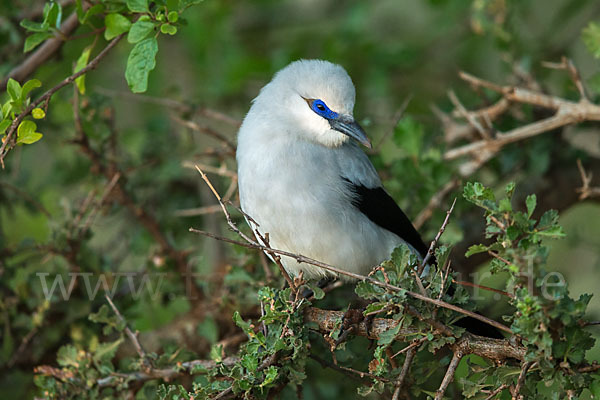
(305, 180)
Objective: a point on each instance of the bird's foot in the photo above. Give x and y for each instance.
(351, 321)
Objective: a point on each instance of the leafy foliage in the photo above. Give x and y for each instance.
(69, 234)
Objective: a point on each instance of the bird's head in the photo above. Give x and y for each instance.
(313, 99)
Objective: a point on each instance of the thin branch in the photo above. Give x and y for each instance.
(470, 284)
(351, 372)
(521, 380)
(395, 120)
(174, 104)
(27, 198)
(307, 260)
(165, 374)
(132, 336)
(436, 239)
(567, 65)
(10, 141)
(434, 203)
(497, 391)
(586, 191)
(404, 372)
(468, 116)
(207, 131)
(449, 376)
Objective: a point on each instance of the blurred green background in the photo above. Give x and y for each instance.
(224, 54)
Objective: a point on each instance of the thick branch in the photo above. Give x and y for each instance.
(493, 349)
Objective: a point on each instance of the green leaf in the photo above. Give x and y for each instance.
(137, 5)
(250, 362)
(67, 356)
(270, 376)
(38, 113)
(116, 24)
(14, 89)
(93, 10)
(246, 326)
(591, 38)
(531, 202)
(139, 30)
(139, 64)
(216, 352)
(4, 125)
(81, 63)
(26, 133)
(79, 10)
(106, 351)
(548, 219)
(168, 29)
(408, 135)
(29, 86)
(512, 232)
(553, 232)
(476, 249)
(34, 26)
(318, 293)
(388, 336)
(367, 290)
(173, 16)
(53, 14)
(34, 40)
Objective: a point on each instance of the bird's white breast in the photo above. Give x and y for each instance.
(294, 190)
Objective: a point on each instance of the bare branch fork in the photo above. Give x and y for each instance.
(586, 191)
(566, 112)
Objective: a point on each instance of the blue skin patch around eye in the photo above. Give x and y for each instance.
(320, 108)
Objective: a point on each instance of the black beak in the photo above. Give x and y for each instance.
(348, 126)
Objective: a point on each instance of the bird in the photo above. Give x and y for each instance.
(305, 182)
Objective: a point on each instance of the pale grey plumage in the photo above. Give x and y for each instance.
(294, 170)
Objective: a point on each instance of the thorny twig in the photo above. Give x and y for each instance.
(132, 336)
(435, 240)
(434, 203)
(303, 259)
(586, 191)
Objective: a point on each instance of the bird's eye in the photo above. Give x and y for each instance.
(320, 108)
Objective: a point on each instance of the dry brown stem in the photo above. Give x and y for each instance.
(566, 112)
(586, 190)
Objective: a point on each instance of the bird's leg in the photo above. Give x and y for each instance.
(351, 319)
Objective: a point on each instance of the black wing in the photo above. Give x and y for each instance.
(381, 208)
